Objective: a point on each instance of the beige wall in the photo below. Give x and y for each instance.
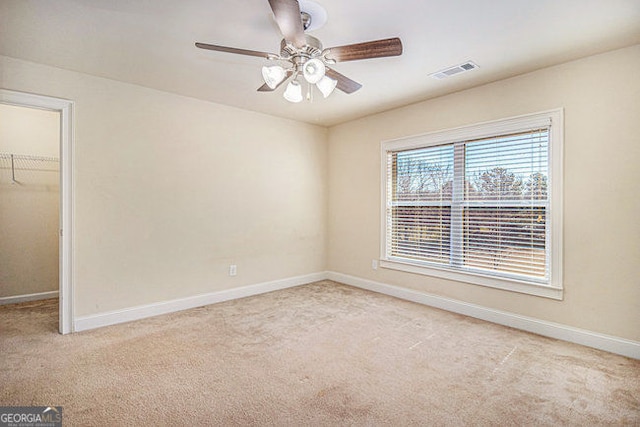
(169, 191)
(601, 100)
(29, 208)
(29, 131)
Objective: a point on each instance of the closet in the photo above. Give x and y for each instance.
(29, 203)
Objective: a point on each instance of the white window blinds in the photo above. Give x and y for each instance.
(421, 199)
(478, 205)
(505, 204)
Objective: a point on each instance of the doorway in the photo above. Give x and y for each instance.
(64, 109)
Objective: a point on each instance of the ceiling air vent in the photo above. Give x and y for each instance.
(452, 71)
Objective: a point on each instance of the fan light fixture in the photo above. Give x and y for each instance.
(273, 75)
(293, 92)
(313, 70)
(326, 85)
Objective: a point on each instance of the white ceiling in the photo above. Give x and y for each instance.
(151, 43)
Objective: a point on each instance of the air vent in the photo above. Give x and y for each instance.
(452, 71)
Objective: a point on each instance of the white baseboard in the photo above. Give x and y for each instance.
(140, 312)
(28, 297)
(541, 327)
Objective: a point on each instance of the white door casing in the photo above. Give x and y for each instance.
(65, 108)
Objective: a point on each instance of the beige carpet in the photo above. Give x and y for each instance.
(320, 354)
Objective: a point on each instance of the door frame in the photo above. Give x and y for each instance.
(66, 108)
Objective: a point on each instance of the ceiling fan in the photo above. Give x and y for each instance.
(303, 54)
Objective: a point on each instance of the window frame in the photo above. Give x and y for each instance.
(552, 118)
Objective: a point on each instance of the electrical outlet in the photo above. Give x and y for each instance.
(374, 264)
(233, 270)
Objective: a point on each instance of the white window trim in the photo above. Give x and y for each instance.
(552, 290)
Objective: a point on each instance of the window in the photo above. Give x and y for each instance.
(479, 204)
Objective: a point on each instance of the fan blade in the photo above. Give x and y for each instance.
(366, 50)
(236, 50)
(345, 84)
(289, 20)
(265, 87)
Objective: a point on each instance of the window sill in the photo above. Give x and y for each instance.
(477, 279)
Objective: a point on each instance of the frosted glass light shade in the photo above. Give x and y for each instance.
(273, 75)
(293, 92)
(313, 70)
(326, 85)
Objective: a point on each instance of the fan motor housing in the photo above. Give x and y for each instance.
(312, 48)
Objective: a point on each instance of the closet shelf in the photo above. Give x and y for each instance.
(26, 162)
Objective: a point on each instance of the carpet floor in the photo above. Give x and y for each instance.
(319, 354)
